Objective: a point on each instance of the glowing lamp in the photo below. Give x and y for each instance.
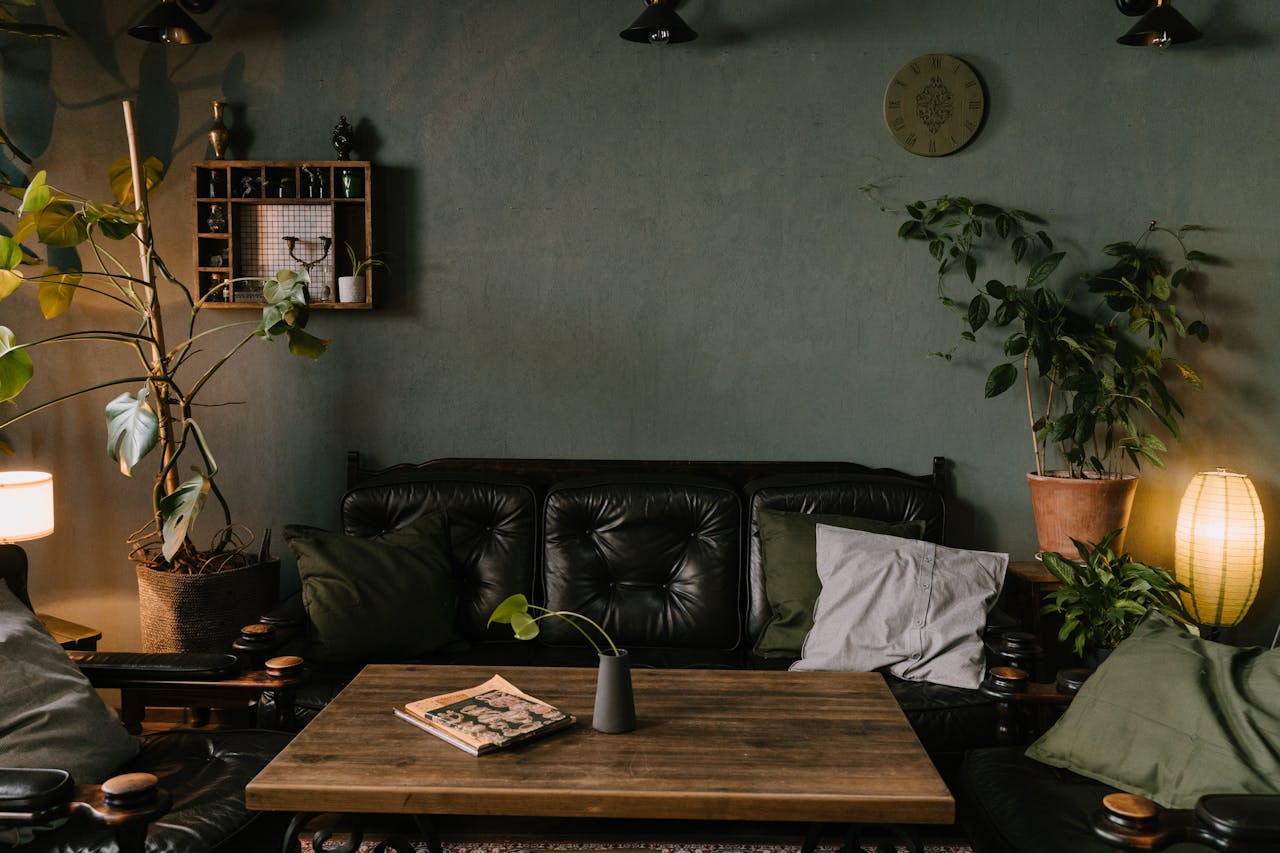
(1218, 547)
(26, 505)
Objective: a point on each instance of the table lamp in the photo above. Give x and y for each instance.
(1218, 547)
(26, 512)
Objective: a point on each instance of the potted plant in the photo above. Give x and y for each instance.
(615, 710)
(1092, 352)
(351, 288)
(1103, 597)
(157, 416)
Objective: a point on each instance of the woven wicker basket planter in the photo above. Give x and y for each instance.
(203, 613)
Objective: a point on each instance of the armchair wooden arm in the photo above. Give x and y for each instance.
(1236, 823)
(127, 804)
(192, 680)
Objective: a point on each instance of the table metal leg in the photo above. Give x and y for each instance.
(427, 829)
(811, 838)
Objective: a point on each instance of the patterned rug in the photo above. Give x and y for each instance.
(625, 847)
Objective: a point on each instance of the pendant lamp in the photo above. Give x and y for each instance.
(1218, 547)
(167, 23)
(659, 24)
(1161, 26)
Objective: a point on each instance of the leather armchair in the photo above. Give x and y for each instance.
(1012, 804)
(184, 791)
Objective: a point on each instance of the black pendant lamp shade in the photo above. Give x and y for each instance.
(1160, 27)
(167, 23)
(659, 24)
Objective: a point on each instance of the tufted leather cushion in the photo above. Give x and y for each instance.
(492, 529)
(653, 559)
(864, 495)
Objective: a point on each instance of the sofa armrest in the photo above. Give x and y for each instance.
(32, 797)
(1238, 822)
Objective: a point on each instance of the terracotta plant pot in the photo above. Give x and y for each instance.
(1084, 508)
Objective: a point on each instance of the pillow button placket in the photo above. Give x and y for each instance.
(926, 568)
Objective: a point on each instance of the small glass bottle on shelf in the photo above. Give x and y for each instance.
(216, 221)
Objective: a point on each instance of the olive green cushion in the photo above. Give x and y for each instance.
(381, 598)
(1173, 717)
(789, 564)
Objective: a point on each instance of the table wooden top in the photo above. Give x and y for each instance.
(709, 744)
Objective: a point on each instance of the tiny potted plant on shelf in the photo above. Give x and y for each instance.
(1094, 352)
(1102, 597)
(352, 288)
(198, 592)
(615, 710)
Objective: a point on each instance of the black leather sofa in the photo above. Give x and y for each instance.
(663, 554)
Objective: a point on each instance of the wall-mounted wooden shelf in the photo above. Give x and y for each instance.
(245, 210)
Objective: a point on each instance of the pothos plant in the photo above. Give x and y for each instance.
(1103, 597)
(1093, 352)
(176, 358)
(516, 612)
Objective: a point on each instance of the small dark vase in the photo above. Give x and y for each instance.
(615, 710)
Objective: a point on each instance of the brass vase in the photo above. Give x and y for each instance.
(218, 131)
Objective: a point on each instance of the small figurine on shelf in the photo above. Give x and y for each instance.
(217, 221)
(343, 138)
(250, 186)
(217, 291)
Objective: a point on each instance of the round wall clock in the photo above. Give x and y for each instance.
(934, 105)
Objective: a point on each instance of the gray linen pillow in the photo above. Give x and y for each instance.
(49, 715)
(911, 608)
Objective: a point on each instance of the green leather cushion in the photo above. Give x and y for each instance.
(1171, 716)
(49, 714)
(382, 598)
(788, 554)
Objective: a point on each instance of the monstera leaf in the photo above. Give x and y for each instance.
(132, 429)
(122, 178)
(179, 509)
(15, 366)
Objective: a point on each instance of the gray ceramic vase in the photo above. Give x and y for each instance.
(615, 710)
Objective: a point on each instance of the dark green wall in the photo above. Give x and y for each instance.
(600, 249)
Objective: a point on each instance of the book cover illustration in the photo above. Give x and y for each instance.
(486, 717)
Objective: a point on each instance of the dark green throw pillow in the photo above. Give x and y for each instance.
(788, 544)
(384, 597)
(1173, 717)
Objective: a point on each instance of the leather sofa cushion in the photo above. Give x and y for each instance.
(492, 532)
(655, 560)
(1015, 805)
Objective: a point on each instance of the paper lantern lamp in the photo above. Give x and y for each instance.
(1218, 547)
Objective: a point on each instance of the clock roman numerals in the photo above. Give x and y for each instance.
(934, 105)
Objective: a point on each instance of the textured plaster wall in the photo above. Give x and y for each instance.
(604, 250)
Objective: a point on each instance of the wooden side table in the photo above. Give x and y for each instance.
(70, 634)
(1027, 581)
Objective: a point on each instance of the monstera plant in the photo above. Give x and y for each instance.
(153, 416)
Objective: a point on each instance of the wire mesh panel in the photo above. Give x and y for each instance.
(274, 237)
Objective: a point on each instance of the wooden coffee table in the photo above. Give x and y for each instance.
(813, 747)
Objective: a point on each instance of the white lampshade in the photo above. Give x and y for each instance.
(26, 505)
(1218, 547)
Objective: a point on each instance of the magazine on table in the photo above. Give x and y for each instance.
(484, 718)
